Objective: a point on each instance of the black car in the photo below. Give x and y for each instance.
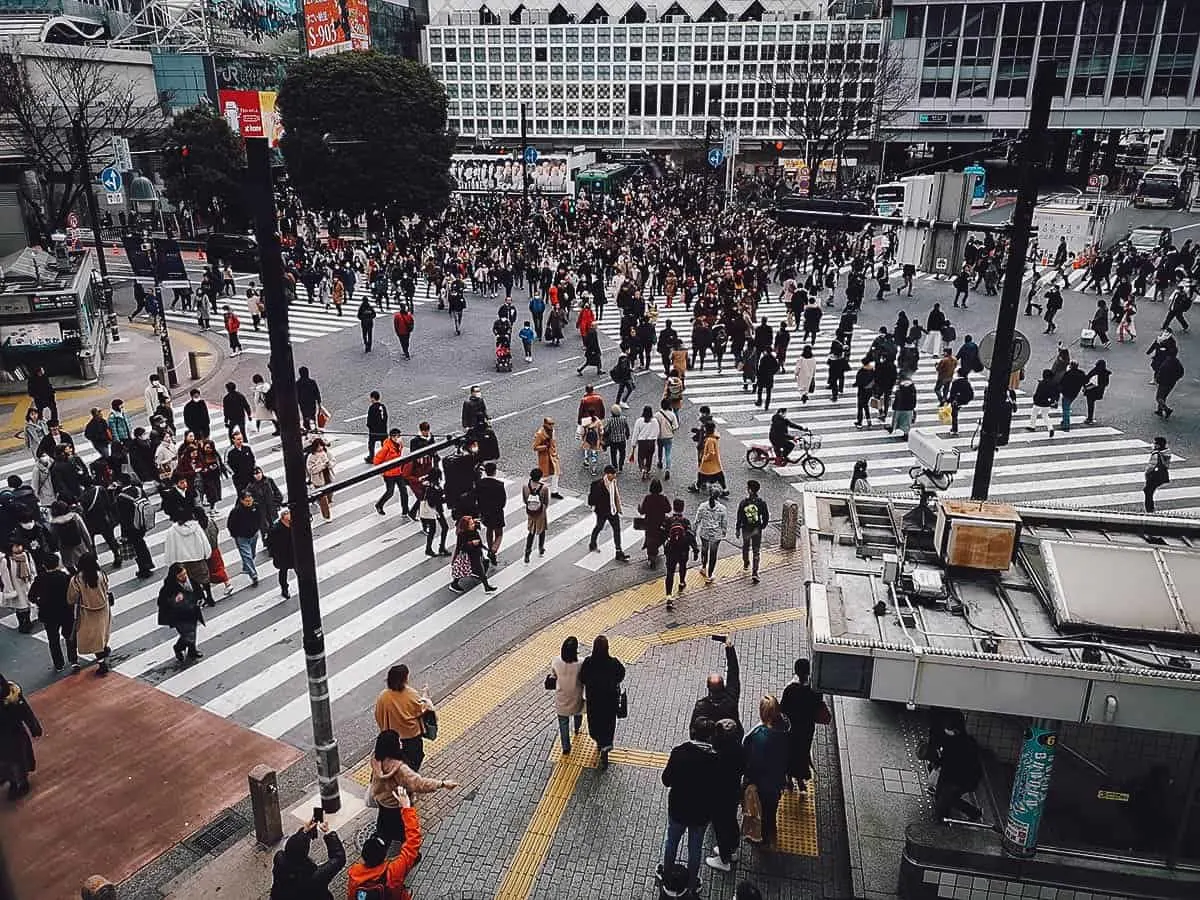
(239, 250)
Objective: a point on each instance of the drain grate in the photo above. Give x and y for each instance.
(216, 833)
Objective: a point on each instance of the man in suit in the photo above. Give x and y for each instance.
(604, 497)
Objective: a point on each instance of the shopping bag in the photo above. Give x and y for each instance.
(945, 416)
(322, 417)
(751, 813)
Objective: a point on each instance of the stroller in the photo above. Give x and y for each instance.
(503, 355)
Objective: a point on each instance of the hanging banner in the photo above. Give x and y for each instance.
(327, 27)
(139, 258)
(251, 114)
(360, 24)
(169, 268)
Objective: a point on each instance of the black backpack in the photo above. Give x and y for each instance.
(269, 398)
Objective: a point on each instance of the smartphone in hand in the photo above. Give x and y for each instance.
(720, 638)
(318, 815)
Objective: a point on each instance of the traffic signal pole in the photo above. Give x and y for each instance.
(1032, 162)
(283, 379)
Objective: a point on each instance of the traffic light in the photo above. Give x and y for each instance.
(185, 160)
(779, 146)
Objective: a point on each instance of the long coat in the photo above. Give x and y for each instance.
(601, 677)
(17, 724)
(93, 615)
(546, 447)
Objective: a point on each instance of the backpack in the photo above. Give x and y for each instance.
(268, 398)
(71, 533)
(677, 533)
(675, 388)
(143, 514)
(533, 503)
(750, 514)
(375, 890)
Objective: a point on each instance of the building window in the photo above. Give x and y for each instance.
(1135, 46)
(635, 100)
(540, 54)
(1097, 36)
(635, 54)
(978, 46)
(1017, 37)
(1177, 51)
(942, 32)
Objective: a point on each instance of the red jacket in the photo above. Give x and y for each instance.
(403, 323)
(391, 873)
(591, 405)
(586, 318)
(390, 449)
(232, 323)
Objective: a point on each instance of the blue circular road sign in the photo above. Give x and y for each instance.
(111, 179)
(716, 156)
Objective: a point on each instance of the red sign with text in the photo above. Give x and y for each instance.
(325, 28)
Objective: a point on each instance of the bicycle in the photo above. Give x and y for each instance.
(759, 455)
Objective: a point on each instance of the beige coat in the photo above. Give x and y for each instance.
(568, 693)
(386, 776)
(546, 447)
(93, 616)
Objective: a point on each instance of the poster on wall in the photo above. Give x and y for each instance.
(360, 24)
(327, 26)
(31, 336)
(251, 114)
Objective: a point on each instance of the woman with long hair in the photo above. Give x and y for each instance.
(468, 555)
(320, 471)
(568, 692)
(601, 675)
(88, 593)
(211, 470)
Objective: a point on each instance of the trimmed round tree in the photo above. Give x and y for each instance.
(364, 132)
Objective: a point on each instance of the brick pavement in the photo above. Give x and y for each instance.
(608, 837)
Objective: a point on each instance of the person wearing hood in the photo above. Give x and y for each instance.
(35, 432)
(187, 544)
(601, 675)
(179, 608)
(766, 748)
(91, 599)
(690, 773)
(726, 789)
(616, 436)
(17, 572)
(70, 534)
(295, 876)
(308, 396)
(18, 725)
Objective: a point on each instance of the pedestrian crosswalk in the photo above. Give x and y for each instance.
(306, 322)
(382, 600)
(1088, 466)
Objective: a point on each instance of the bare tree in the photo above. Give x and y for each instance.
(53, 106)
(823, 104)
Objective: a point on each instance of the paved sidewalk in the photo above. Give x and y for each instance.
(529, 823)
(127, 365)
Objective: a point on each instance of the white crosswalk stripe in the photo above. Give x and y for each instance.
(1093, 466)
(382, 598)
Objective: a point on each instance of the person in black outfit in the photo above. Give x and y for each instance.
(96, 505)
(689, 774)
(1170, 371)
(195, 416)
(491, 496)
(308, 397)
(768, 368)
(279, 544)
(961, 393)
(377, 425)
(724, 693)
(49, 594)
(41, 392)
(127, 502)
(726, 790)
(601, 675)
(236, 409)
(804, 707)
(295, 876)
(240, 460)
(957, 755)
(604, 497)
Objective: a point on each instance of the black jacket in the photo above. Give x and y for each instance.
(243, 522)
(279, 543)
(723, 703)
(235, 407)
(49, 594)
(492, 496)
(241, 465)
(377, 419)
(196, 417)
(308, 395)
(297, 877)
(599, 500)
(690, 773)
(1046, 393)
(1072, 383)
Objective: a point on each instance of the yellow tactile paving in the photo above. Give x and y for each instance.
(535, 843)
(796, 824)
(729, 626)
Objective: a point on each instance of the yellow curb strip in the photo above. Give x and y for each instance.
(535, 843)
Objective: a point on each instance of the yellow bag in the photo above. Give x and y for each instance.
(944, 414)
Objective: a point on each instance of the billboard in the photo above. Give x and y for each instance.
(251, 114)
(335, 26)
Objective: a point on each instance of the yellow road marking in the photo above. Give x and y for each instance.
(535, 843)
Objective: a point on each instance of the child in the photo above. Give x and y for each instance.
(592, 441)
(527, 335)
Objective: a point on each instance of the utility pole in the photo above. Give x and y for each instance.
(1032, 162)
(85, 166)
(524, 166)
(283, 379)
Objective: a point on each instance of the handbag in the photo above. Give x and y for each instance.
(622, 705)
(824, 716)
(551, 682)
(639, 523)
(751, 814)
(429, 725)
(322, 417)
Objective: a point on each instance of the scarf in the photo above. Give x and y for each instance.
(24, 571)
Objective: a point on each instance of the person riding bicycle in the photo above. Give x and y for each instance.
(780, 435)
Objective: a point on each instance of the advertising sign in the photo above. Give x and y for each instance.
(1031, 783)
(139, 259)
(360, 24)
(169, 267)
(327, 26)
(979, 191)
(251, 114)
(31, 335)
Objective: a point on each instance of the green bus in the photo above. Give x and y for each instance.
(604, 178)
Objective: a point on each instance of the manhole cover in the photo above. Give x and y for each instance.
(219, 831)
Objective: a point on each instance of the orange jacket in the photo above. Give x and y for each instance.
(586, 318)
(394, 872)
(390, 449)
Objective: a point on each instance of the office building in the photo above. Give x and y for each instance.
(627, 74)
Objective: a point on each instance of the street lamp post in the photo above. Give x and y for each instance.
(145, 199)
(283, 380)
(106, 291)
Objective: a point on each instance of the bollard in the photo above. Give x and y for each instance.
(194, 357)
(98, 888)
(264, 801)
(789, 521)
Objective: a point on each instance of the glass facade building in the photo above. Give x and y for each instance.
(1121, 63)
(646, 83)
